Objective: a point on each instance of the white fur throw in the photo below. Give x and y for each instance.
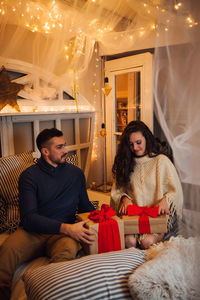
(173, 272)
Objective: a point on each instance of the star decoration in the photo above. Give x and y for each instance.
(8, 90)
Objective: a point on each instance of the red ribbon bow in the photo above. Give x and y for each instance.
(108, 233)
(144, 212)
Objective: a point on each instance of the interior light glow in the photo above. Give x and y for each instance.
(177, 5)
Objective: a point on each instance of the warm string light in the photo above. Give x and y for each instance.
(37, 18)
(95, 89)
(191, 22)
(177, 5)
(49, 19)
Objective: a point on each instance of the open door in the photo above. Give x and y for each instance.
(130, 99)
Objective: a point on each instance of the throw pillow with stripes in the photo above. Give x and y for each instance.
(94, 277)
(10, 169)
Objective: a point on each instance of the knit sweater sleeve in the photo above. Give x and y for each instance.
(84, 204)
(116, 195)
(171, 185)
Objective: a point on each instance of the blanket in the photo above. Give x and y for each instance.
(171, 272)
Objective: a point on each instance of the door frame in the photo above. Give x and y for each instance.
(142, 62)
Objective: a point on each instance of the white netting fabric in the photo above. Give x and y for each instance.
(176, 92)
(59, 37)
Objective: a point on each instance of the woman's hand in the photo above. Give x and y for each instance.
(124, 203)
(163, 208)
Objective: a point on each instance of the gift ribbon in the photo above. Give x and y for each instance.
(108, 233)
(144, 213)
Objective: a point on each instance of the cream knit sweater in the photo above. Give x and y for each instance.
(152, 179)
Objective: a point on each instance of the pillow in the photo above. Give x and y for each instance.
(98, 276)
(172, 274)
(10, 169)
(72, 159)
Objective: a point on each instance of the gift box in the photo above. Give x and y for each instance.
(94, 248)
(144, 220)
(157, 225)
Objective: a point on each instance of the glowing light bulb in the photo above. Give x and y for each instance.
(189, 20)
(46, 26)
(177, 6)
(92, 22)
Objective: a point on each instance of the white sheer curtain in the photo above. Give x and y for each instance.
(59, 36)
(176, 92)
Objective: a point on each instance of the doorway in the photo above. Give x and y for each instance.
(130, 99)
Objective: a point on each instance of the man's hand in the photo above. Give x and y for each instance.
(78, 232)
(125, 202)
(163, 208)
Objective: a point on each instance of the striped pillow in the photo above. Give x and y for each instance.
(10, 169)
(99, 276)
(72, 159)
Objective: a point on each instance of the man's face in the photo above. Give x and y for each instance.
(55, 151)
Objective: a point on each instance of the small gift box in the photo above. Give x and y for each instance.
(108, 228)
(144, 220)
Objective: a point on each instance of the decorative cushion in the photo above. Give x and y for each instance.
(73, 159)
(99, 276)
(10, 169)
(173, 273)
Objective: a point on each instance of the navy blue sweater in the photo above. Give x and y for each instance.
(50, 196)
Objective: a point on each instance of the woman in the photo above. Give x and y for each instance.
(145, 175)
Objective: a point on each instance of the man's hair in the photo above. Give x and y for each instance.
(45, 135)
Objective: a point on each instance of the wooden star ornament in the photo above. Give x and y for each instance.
(8, 90)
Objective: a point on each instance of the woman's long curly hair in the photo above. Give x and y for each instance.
(124, 162)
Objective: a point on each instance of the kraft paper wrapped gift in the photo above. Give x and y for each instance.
(157, 225)
(93, 249)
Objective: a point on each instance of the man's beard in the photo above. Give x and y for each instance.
(60, 161)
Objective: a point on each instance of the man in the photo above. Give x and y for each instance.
(50, 193)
